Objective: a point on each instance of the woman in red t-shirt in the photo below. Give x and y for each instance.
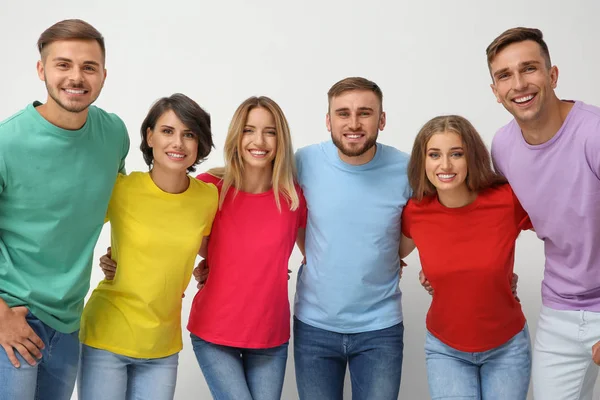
(240, 319)
(464, 220)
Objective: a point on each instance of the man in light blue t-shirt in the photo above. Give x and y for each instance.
(58, 163)
(348, 308)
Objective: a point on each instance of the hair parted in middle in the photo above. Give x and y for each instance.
(284, 166)
(480, 173)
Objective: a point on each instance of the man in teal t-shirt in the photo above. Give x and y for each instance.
(52, 211)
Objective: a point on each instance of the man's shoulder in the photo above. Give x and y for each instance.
(107, 118)
(390, 153)
(311, 150)
(10, 126)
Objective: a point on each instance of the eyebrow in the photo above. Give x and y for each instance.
(170, 127)
(452, 148)
(521, 65)
(69, 60)
(252, 126)
(359, 108)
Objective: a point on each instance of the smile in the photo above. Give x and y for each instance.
(258, 153)
(177, 156)
(446, 177)
(75, 91)
(524, 99)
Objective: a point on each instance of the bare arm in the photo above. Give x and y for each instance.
(204, 247)
(300, 242)
(407, 245)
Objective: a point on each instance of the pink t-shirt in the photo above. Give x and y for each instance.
(245, 300)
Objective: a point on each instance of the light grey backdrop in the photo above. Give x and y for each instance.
(428, 56)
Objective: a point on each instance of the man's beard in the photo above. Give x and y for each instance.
(77, 108)
(354, 151)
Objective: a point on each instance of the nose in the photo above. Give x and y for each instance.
(354, 122)
(178, 141)
(520, 82)
(76, 74)
(446, 164)
(258, 139)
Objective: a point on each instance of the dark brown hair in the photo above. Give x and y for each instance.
(191, 115)
(516, 35)
(480, 174)
(70, 29)
(355, 83)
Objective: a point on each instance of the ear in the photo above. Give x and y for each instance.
(328, 122)
(554, 76)
(40, 70)
(382, 120)
(104, 78)
(495, 91)
(149, 135)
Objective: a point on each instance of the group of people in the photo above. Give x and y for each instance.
(354, 207)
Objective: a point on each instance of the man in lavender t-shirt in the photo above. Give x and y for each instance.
(550, 154)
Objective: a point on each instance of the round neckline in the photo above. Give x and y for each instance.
(155, 187)
(457, 210)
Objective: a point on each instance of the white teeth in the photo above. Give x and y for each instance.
(175, 155)
(446, 176)
(258, 152)
(353, 136)
(75, 91)
(524, 99)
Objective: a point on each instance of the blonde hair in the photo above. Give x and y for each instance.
(284, 167)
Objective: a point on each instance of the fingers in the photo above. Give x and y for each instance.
(596, 353)
(11, 356)
(421, 277)
(25, 354)
(107, 262)
(289, 273)
(36, 341)
(109, 251)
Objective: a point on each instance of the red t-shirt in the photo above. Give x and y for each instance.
(467, 254)
(245, 300)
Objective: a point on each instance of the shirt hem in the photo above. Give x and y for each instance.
(370, 328)
(244, 345)
(128, 353)
(568, 307)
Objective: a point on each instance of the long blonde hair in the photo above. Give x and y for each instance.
(284, 166)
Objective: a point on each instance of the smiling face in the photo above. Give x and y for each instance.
(523, 83)
(354, 120)
(445, 162)
(259, 139)
(73, 71)
(174, 145)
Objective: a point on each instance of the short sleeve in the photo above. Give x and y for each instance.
(214, 193)
(405, 219)
(592, 150)
(302, 209)
(522, 221)
(496, 159)
(125, 149)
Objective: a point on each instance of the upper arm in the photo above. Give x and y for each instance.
(301, 239)
(407, 245)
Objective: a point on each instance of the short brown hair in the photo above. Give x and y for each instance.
(70, 29)
(480, 174)
(355, 83)
(516, 35)
(191, 115)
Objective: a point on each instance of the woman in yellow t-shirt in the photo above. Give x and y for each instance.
(131, 325)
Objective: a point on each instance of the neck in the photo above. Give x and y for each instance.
(548, 124)
(257, 180)
(456, 198)
(170, 182)
(359, 160)
(60, 117)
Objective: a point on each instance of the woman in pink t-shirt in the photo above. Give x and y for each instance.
(240, 319)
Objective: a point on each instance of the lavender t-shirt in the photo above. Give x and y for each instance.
(558, 184)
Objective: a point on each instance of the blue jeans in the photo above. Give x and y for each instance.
(52, 378)
(502, 373)
(234, 373)
(107, 375)
(374, 359)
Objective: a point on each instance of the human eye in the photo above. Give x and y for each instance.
(343, 114)
(530, 68)
(247, 130)
(89, 68)
(457, 154)
(62, 65)
(189, 135)
(365, 114)
(434, 155)
(167, 131)
(271, 133)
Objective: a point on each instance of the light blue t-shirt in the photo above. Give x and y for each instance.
(350, 281)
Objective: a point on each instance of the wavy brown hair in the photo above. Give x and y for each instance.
(284, 166)
(480, 173)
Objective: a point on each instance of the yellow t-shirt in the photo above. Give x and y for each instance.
(155, 237)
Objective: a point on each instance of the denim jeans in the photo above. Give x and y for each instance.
(502, 373)
(106, 375)
(234, 373)
(374, 359)
(52, 378)
(562, 355)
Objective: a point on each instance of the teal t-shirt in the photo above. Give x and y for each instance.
(55, 185)
(349, 283)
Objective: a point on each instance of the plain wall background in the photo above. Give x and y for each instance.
(428, 57)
